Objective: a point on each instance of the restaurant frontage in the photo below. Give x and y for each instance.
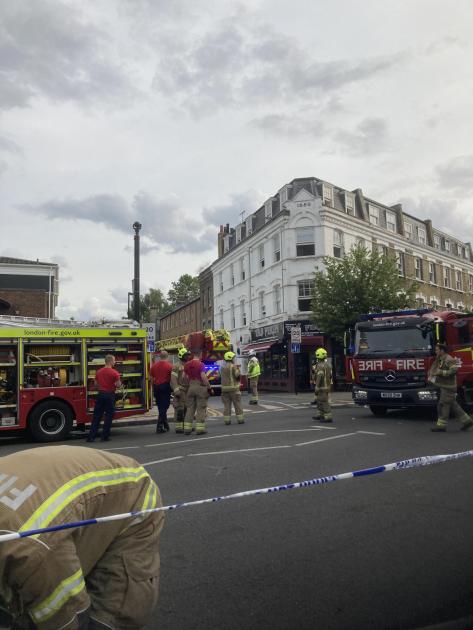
(282, 369)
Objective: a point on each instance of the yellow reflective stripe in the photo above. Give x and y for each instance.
(53, 603)
(50, 508)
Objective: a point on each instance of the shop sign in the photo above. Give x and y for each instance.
(308, 329)
(274, 331)
(296, 335)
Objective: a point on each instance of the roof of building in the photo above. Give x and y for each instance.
(7, 260)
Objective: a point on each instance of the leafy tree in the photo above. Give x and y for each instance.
(183, 290)
(361, 282)
(153, 300)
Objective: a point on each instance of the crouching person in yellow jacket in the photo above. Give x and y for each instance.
(230, 383)
(94, 577)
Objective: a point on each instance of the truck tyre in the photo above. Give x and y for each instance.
(50, 421)
(378, 410)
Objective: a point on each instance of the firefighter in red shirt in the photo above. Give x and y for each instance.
(160, 373)
(197, 396)
(107, 380)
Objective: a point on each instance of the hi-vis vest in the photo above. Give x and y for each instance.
(230, 377)
(253, 368)
(45, 574)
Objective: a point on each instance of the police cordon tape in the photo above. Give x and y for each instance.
(426, 460)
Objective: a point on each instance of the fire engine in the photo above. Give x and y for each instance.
(393, 351)
(211, 343)
(47, 374)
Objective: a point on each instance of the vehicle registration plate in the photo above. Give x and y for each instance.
(391, 394)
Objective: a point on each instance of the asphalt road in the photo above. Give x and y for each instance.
(389, 551)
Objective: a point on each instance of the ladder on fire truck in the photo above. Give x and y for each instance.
(14, 321)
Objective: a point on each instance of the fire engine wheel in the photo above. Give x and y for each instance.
(50, 421)
(378, 410)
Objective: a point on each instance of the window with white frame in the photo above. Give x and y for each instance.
(383, 250)
(305, 244)
(458, 281)
(262, 307)
(276, 248)
(401, 267)
(277, 299)
(360, 241)
(421, 235)
(283, 195)
(268, 209)
(261, 256)
(446, 245)
(305, 289)
(328, 194)
(349, 203)
(436, 241)
(242, 312)
(373, 214)
(463, 252)
(222, 323)
(338, 244)
(470, 282)
(390, 221)
(418, 268)
(242, 269)
(446, 277)
(432, 273)
(232, 275)
(232, 316)
(220, 281)
(408, 230)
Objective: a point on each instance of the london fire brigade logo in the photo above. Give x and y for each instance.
(390, 376)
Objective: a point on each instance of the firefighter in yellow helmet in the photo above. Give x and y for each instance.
(179, 386)
(323, 383)
(95, 577)
(254, 372)
(230, 383)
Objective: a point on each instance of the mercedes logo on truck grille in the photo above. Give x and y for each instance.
(390, 376)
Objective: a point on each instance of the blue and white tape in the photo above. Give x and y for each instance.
(426, 460)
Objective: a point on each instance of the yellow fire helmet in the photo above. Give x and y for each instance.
(321, 353)
(181, 353)
(229, 356)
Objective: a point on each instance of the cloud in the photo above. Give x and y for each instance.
(166, 225)
(445, 214)
(369, 138)
(49, 49)
(247, 201)
(456, 175)
(9, 150)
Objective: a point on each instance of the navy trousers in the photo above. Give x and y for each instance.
(105, 404)
(162, 395)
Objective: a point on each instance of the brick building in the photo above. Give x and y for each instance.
(206, 298)
(28, 288)
(181, 320)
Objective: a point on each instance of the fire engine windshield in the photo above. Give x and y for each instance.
(393, 341)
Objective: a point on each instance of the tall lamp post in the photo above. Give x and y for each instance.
(136, 279)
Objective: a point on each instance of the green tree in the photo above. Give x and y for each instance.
(153, 300)
(361, 282)
(183, 290)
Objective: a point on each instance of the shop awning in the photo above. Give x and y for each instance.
(260, 346)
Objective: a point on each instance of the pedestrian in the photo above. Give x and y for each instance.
(197, 396)
(443, 374)
(107, 379)
(323, 382)
(254, 372)
(313, 370)
(160, 373)
(179, 386)
(230, 383)
(95, 577)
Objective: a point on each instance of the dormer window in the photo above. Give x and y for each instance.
(249, 226)
(373, 214)
(390, 221)
(328, 194)
(421, 236)
(436, 241)
(349, 203)
(408, 230)
(268, 209)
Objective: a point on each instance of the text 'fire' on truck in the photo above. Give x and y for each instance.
(47, 375)
(211, 343)
(389, 356)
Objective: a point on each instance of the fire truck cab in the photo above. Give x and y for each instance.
(393, 351)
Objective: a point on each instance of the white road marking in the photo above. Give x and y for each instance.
(184, 440)
(269, 407)
(285, 431)
(241, 450)
(371, 433)
(161, 461)
(333, 437)
(119, 448)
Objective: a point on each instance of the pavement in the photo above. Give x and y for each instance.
(268, 402)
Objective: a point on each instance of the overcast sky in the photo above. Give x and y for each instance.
(183, 113)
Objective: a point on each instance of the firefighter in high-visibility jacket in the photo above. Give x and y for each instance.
(94, 577)
(231, 394)
(254, 372)
(323, 383)
(179, 386)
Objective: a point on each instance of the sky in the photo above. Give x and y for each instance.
(181, 114)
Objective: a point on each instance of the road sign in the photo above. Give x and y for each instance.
(295, 348)
(150, 330)
(296, 334)
(150, 346)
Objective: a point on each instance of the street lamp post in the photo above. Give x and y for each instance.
(136, 279)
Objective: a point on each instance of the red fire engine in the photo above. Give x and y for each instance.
(211, 343)
(392, 352)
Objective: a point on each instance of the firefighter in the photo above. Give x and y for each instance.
(254, 372)
(323, 382)
(197, 396)
(443, 374)
(230, 383)
(180, 385)
(95, 577)
(313, 370)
